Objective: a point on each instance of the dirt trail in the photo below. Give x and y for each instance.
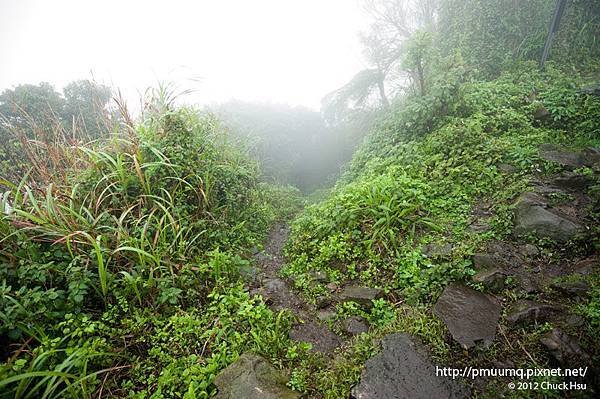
(279, 294)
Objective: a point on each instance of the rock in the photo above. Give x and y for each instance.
(574, 320)
(331, 287)
(402, 370)
(566, 159)
(526, 311)
(252, 377)
(480, 226)
(325, 314)
(482, 261)
(572, 288)
(585, 267)
(591, 156)
(528, 284)
(492, 279)
(541, 113)
(564, 349)
(504, 364)
(571, 181)
(434, 250)
(364, 296)
(470, 316)
(319, 336)
(591, 90)
(532, 218)
(354, 325)
(322, 301)
(530, 250)
(319, 276)
(506, 168)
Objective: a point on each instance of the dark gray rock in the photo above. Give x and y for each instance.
(591, 90)
(403, 370)
(319, 336)
(567, 159)
(322, 301)
(530, 250)
(479, 226)
(565, 349)
(541, 113)
(435, 250)
(325, 314)
(587, 266)
(252, 377)
(354, 325)
(528, 283)
(531, 217)
(578, 288)
(591, 156)
(526, 311)
(364, 296)
(483, 261)
(492, 279)
(506, 168)
(470, 316)
(571, 181)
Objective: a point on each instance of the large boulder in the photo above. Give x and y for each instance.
(252, 377)
(471, 316)
(403, 369)
(532, 217)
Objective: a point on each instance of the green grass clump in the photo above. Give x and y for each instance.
(123, 277)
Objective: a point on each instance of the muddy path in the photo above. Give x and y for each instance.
(280, 295)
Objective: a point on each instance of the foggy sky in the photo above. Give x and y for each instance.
(283, 51)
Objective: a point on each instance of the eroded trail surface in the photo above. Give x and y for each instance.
(279, 294)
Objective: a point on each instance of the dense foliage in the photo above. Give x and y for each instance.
(122, 260)
(146, 236)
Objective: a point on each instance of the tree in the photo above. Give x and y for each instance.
(416, 59)
(28, 103)
(85, 106)
(393, 23)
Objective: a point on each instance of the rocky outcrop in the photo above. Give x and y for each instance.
(252, 377)
(532, 217)
(470, 316)
(402, 370)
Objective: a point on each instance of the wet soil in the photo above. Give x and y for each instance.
(280, 295)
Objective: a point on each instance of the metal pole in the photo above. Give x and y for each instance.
(558, 12)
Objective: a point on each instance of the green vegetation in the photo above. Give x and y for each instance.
(144, 241)
(122, 260)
